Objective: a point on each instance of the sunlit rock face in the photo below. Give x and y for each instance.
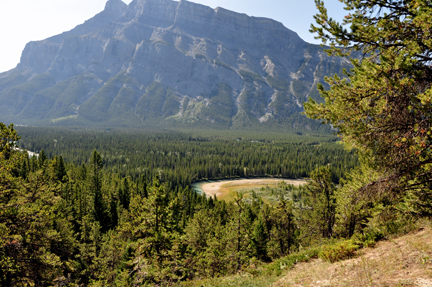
(163, 62)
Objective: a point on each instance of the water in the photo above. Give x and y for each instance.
(197, 186)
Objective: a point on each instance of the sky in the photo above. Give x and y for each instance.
(22, 21)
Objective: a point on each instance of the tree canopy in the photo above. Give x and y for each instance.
(382, 107)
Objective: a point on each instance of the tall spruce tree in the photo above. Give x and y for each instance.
(383, 106)
(100, 211)
(42, 158)
(61, 173)
(317, 218)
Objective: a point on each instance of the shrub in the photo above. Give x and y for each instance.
(368, 239)
(289, 261)
(338, 251)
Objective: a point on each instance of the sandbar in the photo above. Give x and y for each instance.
(217, 188)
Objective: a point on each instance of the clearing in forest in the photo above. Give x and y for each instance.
(263, 187)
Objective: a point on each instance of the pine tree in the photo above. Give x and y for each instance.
(283, 233)
(318, 216)
(125, 194)
(383, 108)
(260, 239)
(8, 139)
(35, 241)
(113, 211)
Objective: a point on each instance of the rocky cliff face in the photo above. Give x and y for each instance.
(166, 62)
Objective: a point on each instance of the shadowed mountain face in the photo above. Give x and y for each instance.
(167, 63)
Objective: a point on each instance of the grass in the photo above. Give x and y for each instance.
(258, 275)
(243, 280)
(402, 261)
(270, 190)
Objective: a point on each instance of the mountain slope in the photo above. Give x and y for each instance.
(162, 62)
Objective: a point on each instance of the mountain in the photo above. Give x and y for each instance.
(167, 63)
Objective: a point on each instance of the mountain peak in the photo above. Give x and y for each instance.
(115, 5)
(165, 62)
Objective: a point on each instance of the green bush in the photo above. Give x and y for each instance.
(289, 261)
(338, 251)
(368, 239)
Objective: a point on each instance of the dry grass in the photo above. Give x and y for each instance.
(226, 190)
(404, 261)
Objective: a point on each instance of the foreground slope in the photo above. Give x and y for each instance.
(403, 261)
(167, 62)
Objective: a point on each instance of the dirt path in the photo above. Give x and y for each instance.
(217, 188)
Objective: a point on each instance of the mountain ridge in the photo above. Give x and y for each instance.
(167, 63)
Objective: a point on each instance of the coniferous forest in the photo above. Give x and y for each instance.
(183, 158)
(115, 208)
(125, 214)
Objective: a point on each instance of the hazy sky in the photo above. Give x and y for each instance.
(22, 21)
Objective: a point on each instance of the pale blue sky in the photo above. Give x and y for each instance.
(22, 21)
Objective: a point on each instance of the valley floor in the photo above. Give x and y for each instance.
(220, 187)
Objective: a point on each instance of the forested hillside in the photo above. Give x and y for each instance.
(87, 224)
(65, 223)
(114, 209)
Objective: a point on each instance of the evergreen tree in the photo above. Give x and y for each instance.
(113, 211)
(125, 194)
(100, 212)
(8, 139)
(153, 228)
(383, 109)
(61, 174)
(35, 242)
(260, 239)
(318, 216)
(42, 158)
(83, 172)
(283, 233)
(352, 211)
(144, 186)
(25, 167)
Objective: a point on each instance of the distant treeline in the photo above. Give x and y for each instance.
(183, 158)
